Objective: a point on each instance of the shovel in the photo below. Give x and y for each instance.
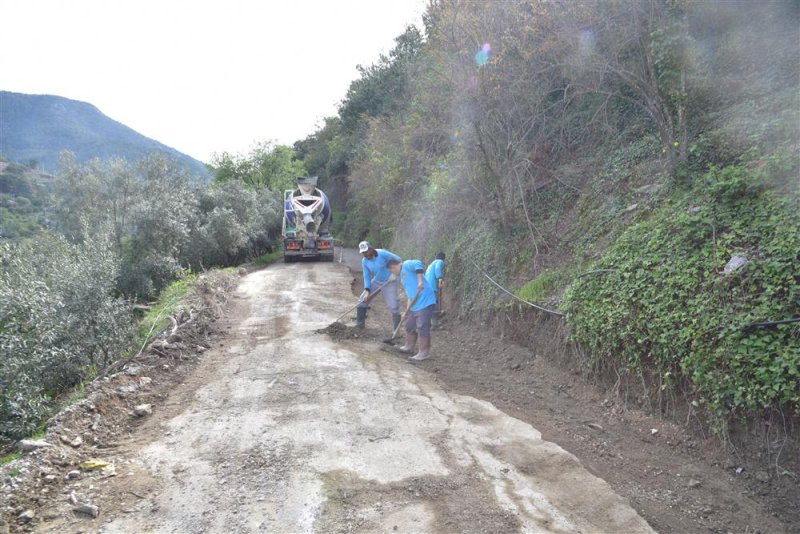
(361, 299)
(390, 341)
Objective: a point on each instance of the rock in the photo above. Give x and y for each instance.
(132, 387)
(596, 426)
(77, 442)
(739, 470)
(4, 528)
(693, 483)
(49, 479)
(143, 410)
(132, 369)
(735, 263)
(27, 445)
(72, 475)
(631, 208)
(26, 516)
(653, 431)
(51, 515)
(73, 499)
(108, 471)
(88, 509)
(761, 476)
(144, 381)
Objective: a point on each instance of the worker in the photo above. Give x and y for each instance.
(377, 276)
(435, 276)
(422, 302)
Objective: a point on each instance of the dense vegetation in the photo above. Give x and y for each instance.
(90, 241)
(646, 142)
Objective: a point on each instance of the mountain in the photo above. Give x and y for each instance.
(38, 127)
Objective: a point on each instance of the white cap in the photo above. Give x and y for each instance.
(363, 246)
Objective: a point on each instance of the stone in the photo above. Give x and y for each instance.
(77, 442)
(26, 516)
(143, 410)
(27, 445)
(50, 515)
(88, 509)
(693, 483)
(761, 476)
(735, 263)
(631, 208)
(72, 475)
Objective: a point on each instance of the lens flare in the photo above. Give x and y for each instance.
(482, 56)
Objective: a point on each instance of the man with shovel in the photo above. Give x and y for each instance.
(374, 265)
(422, 303)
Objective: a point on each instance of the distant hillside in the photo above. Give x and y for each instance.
(38, 127)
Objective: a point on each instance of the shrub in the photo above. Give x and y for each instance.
(59, 322)
(671, 310)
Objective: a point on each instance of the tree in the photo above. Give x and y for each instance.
(266, 165)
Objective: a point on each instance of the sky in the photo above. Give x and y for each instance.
(201, 76)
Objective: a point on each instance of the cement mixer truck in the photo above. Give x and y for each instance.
(306, 218)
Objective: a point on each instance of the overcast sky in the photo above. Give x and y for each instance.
(201, 76)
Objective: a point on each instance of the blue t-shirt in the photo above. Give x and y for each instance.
(434, 273)
(408, 277)
(376, 267)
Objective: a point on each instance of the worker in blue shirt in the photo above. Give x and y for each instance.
(377, 277)
(422, 301)
(435, 276)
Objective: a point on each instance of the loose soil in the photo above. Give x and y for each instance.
(677, 480)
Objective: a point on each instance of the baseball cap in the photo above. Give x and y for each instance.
(363, 246)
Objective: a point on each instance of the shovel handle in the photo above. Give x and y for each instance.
(405, 315)
(362, 300)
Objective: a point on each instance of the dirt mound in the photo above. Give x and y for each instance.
(338, 331)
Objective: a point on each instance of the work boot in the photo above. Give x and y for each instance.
(396, 317)
(424, 350)
(408, 347)
(361, 317)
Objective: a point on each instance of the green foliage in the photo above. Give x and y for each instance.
(10, 457)
(268, 258)
(22, 201)
(162, 222)
(234, 222)
(267, 165)
(547, 284)
(59, 321)
(170, 301)
(670, 310)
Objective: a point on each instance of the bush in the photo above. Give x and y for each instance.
(671, 311)
(234, 223)
(59, 322)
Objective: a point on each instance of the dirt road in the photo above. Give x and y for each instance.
(281, 429)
